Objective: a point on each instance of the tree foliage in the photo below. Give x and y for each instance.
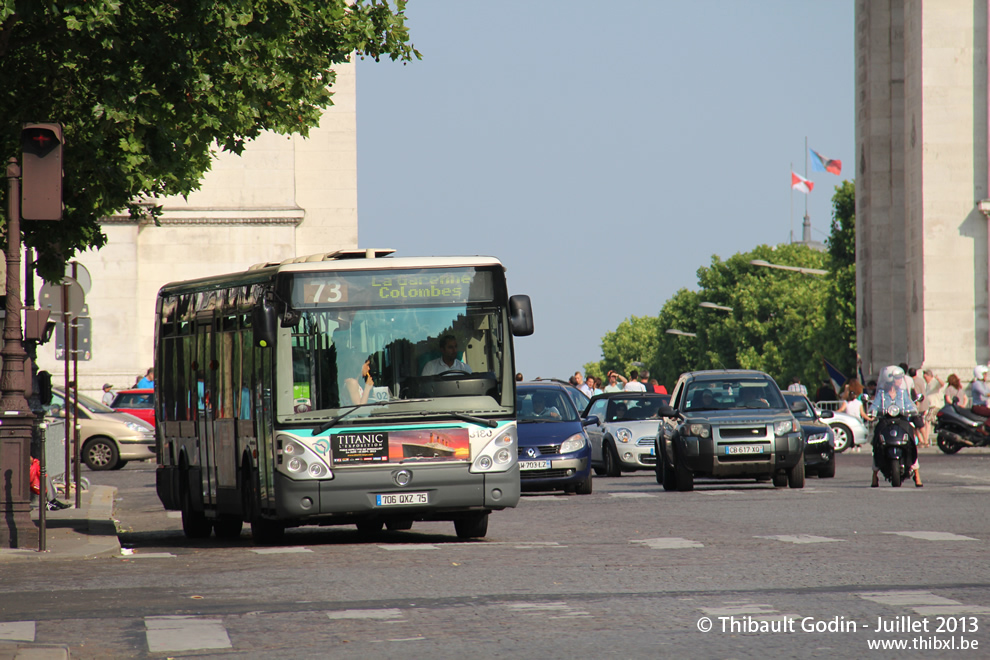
(145, 89)
(782, 322)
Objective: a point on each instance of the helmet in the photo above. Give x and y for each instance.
(979, 371)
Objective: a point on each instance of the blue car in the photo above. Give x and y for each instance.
(554, 452)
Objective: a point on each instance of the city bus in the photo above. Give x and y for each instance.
(308, 392)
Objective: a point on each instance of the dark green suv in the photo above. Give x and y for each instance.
(729, 424)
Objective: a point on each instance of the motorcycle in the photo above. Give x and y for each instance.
(894, 448)
(956, 427)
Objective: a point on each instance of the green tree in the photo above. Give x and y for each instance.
(840, 304)
(146, 89)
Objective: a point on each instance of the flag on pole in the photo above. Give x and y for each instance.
(800, 184)
(821, 164)
(834, 375)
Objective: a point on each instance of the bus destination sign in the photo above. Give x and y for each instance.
(390, 288)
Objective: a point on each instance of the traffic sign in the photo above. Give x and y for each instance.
(83, 326)
(50, 297)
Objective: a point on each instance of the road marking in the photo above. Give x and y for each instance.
(172, 514)
(410, 546)
(17, 631)
(559, 610)
(964, 475)
(672, 543)
(906, 598)
(633, 495)
(800, 538)
(278, 551)
(392, 613)
(756, 611)
(934, 536)
(184, 633)
(981, 488)
(924, 603)
(398, 639)
(720, 491)
(150, 555)
(546, 498)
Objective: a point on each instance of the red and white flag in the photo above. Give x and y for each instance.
(800, 184)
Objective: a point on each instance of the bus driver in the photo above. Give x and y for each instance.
(448, 359)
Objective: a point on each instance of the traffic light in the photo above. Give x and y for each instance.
(41, 172)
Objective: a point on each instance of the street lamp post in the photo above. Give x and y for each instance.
(680, 333)
(711, 305)
(797, 269)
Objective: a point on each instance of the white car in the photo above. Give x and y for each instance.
(849, 431)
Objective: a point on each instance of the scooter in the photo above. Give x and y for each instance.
(956, 427)
(894, 449)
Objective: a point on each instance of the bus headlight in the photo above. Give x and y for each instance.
(499, 455)
(297, 460)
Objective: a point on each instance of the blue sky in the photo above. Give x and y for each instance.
(603, 151)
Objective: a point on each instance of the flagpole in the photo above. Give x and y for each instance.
(806, 230)
(792, 206)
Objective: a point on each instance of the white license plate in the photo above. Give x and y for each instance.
(399, 499)
(534, 465)
(744, 449)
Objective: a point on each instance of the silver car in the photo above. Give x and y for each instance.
(625, 436)
(107, 439)
(849, 431)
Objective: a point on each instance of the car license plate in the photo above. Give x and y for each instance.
(399, 499)
(534, 465)
(744, 449)
(653, 451)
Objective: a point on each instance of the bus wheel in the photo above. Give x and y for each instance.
(474, 526)
(195, 524)
(263, 531)
(228, 527)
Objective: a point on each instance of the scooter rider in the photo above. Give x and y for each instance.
(893, 390)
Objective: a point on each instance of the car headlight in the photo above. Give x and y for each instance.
(785, 427)
(700, 430)
(818, 437)
(573, 443)
(140, 428)
(623, 435)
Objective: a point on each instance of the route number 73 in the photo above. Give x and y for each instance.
(325, 292)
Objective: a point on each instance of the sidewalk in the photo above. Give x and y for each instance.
(82, 533)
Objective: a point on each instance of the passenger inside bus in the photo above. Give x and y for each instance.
(357, 390)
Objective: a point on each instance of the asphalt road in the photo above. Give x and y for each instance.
(629, 571)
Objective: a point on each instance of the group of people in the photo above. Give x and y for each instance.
(638, 381)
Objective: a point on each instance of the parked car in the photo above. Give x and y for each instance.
(729, 424)
(554, 453)
(624, 439)
(140, 403)
(108, 439)
(819, 441)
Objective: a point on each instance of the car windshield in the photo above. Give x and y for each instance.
(91, 405)
(732, 393)
(808, 414)
(633, 408)
(544, 404)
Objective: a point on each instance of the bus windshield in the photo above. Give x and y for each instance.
(409, 357)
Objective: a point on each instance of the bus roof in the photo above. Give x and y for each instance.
(371, 259)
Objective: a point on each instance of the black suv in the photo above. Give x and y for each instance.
(729, 424)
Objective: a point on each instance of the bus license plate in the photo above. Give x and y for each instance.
(534, 465)
(400, 499)
(744, 449)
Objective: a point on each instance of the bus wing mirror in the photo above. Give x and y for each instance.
(264, 321)
(521, 316)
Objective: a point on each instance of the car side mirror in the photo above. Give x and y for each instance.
(827, 414)
(798, 407)
(666, 411)
(591, 420)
